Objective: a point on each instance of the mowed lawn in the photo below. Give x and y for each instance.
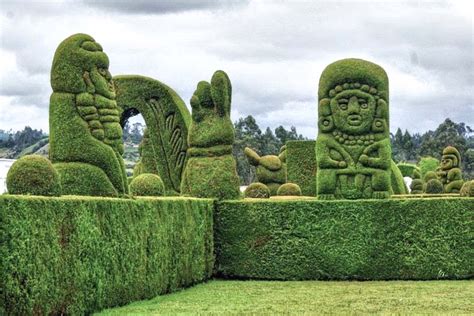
(312, 297)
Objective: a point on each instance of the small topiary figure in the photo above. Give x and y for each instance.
(33, 175)
(429, 176)
(85, 133)
(416, 186)
(211, 170)
(449, 172)
(147, 184)
(289, 189)
(467, 189)
(270, 169)
(434, 186)
(257, 190)
(353, 150)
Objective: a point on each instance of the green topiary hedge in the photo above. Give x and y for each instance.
(269, 169)
(74, 255)
(301, 165)
(434, 186)
(257, 190)
(427, 164)
(147, 184)
(35, 175)
(364, 240)
(407, 169)
(289, 189)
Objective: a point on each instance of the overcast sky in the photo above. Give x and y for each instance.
(273, 51)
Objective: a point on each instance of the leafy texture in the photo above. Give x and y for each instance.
(84, 119)
(289, 189)
(397, 183)
(163, 150)
(75, 255)
(211, 168)
(353, 150)
(449, 171)
(434, 186)
(147, 184)
(468, 189)
(301, 165)
(427, 164)
(33, 175)
(270, 169)
(415, 238)
(257, 190)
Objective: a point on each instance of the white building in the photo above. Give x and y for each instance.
(5, 165)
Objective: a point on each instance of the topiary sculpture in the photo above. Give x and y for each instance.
(270, 169)
(288, 189)
(434, 186)
(211, 168)
(449, 172)
(353, 150)
(35, 175)
(416, 186)
(467, 189)
(257, 190)
(429, 176)
(85, 134)
(147, 184)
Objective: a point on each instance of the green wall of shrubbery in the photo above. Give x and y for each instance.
(364, 239)
(75, 255)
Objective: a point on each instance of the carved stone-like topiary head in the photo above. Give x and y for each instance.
(450, 159)
(353, 99)
(80, 65)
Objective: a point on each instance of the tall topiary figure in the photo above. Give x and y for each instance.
(353, 146)
(449, 172)
(211, 168)
(85, 134)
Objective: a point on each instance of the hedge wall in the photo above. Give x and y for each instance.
(301, 165)
(363, 239)
(76, 255)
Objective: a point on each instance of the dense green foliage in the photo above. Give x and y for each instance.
(147, 184)
(301, 165)
(78, 255)
(226, 297)
(468, 189)
(167, 123)
(397, 182)
(257, 190)
(449, 171)
(289, 189)
(270, 169)
(33, 175)
(427, 164)
(211, 170)
(416, 186)
(364, 239)
(16, 144)
(408, 169)
(353, 150)
(84, 117)
(434, 186)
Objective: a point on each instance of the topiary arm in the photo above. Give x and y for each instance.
(454, 174)
(324, 157)
(383, 159)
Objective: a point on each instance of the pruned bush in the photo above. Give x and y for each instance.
(288, 189)
(468, 189)
(434, 186)
(33, 175)
(147, 184)
(430, 175)
(416, 186)
(269, 169)
(427, 164)
(301, 165)
(257, 190)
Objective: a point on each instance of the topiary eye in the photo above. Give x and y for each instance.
(343, 104)
(364, 105)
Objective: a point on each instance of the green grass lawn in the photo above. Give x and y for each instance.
(269, 297)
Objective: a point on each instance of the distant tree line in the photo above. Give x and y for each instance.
(13, 143)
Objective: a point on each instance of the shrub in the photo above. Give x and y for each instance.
(33, 174)
(163, 150)
(84, 119)
(270, 169)
(449, 171)
(430, 175)
(353, 151)
(408, 169)
(415, 238)
(427, 164)
(397, 182)
(301, 165)
(147, 184)
(74, 256)
(468, 189)
(434, 186)
(211, 170)
(416, 186)
(289, 189)
(257, 190)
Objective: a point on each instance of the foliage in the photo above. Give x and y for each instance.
(415, 238)
(73, 255)
(17, 142)
(270, 169)
(449, 172)
(289, 189)
(84, 117)
(408, 169)
(211, 170)
(245, 297)
(427, 164)
(257, 190)
(167, 121)
(353, 150)
(416, 186)
(468, 189)
(397, 183)
(33, 175)
(434, 186)
(147, 184)
(301, 165)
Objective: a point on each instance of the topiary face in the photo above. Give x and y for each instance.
(353, 111)
(450, 159)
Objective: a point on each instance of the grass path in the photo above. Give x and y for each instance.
(311, 297)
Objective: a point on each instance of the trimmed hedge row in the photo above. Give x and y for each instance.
(76, 255)
(301, 165)
(362, 240)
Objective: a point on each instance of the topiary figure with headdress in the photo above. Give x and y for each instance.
(449, 171)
